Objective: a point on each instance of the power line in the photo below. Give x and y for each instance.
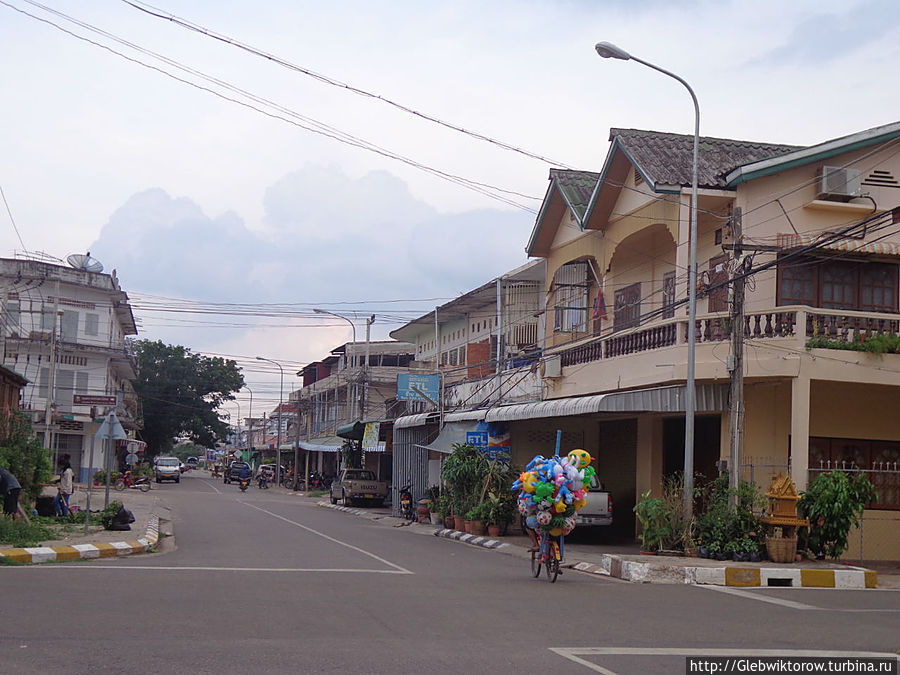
(197, 28)
(12, 220)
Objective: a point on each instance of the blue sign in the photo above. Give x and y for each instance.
(418, 387)
(478, 439)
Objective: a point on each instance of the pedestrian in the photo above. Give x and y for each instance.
(66, 486)
(9, 491)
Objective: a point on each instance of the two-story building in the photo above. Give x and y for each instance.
(820, 238)
(64, 330)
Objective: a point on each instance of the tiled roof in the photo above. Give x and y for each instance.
(666, 159)
(576, 186)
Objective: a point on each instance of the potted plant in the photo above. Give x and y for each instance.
(834, 503)
(476, 516)
(655, 528)
(463, 474)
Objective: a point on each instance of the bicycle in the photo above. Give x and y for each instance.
(549, 556)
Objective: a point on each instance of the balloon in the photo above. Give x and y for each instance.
(542, 491)
(529, 480)
(579, 458)
(555, 532)
(543, 518)
(559, 507)
(531, 521)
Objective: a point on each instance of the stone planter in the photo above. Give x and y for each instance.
(436, 519)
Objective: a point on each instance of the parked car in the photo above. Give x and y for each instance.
(168, 468)
(358, 484)
(598, 510)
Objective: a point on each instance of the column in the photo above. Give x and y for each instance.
(799, 449)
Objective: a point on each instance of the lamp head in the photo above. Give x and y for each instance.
(609, 51)
(319, 311)
(259, 358)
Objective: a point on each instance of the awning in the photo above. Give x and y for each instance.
(452, 433)
(791, 240)
(418, 420)
(465, 415)
(709, 398)
(324, 444)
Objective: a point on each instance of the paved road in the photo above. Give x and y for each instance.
(267, 581)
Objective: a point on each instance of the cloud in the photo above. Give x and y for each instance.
(327, 237)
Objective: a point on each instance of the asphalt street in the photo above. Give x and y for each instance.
(268, 581)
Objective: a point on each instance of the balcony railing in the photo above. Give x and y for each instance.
(775, 323)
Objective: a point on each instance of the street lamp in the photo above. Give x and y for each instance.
(278, 439)
(610, 51)
(238, 404)
(353, 326)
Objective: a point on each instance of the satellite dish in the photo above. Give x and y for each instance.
(85, 262)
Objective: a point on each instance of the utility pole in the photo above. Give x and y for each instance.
(736, 362)
(364, 399)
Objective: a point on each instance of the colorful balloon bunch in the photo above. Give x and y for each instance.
(552, 490)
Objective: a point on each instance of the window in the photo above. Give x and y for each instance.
(838, 284)
(68, 326)
(462, 355)
(668, 299)
(627, 311)
(13, 313)
(91, 324)
(571, 286)
(718, 279)
(878, 459)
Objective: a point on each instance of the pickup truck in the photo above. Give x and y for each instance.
(354, 485)
(599, 508)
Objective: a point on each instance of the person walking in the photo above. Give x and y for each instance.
(9, 492)
(66, 487)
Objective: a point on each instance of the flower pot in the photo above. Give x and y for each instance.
(450, 522)
(476, 527)
(467, 526)
(704, 552)
(493, 530)
(722, 555)
(755, 556)
(459, 523)
(741, 556)
(436, 519)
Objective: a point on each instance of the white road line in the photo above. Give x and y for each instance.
(218, 491)
(184, 568)
(400, 569)
(756, 595)
(574, 654)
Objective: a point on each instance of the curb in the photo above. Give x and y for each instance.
(472, 539)
(659, 573)
(42, 554)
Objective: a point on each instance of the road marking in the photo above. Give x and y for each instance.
(218, 491)
(401, 570)
(755, 595)
(574, 654)
(185, 568)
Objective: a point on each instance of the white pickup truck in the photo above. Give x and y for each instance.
(354, 485)
(598, 510)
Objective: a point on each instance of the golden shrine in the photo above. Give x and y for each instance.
(782, 513)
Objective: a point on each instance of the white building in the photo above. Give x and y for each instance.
(82, 317)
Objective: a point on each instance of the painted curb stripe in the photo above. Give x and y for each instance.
(40, 554)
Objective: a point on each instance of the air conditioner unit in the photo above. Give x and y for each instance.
(551, 367)
(838, 184)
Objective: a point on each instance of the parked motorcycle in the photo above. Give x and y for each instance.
(407, 510)
(141, 483)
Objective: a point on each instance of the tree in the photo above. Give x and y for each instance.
(180, 393)
(23, 456)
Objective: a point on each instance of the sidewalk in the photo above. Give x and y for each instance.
(625, 562)
(98, 542)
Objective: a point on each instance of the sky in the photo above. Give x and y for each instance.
(257, 188)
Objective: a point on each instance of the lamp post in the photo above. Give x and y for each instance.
(278, 438)
(250, 430)
(610, 51)
(353, 326)
(238, 404)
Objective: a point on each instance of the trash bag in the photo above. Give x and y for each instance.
(121, 520)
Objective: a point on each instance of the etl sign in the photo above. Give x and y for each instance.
(478, 439)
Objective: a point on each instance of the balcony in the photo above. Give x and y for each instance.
(793, 323)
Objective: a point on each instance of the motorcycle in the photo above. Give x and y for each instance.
(407, 510)
(244, 483)
(141, 483)
(262, 481)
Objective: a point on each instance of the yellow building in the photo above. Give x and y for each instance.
(821, 239)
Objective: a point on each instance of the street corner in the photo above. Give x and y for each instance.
(112, 549)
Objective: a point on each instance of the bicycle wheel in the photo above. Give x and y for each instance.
(535, 564)
(553, 563)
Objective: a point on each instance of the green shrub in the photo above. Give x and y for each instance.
(19, 533)
(834, 503)
(22, 455)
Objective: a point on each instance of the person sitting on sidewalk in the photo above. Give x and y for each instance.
(9, 492)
